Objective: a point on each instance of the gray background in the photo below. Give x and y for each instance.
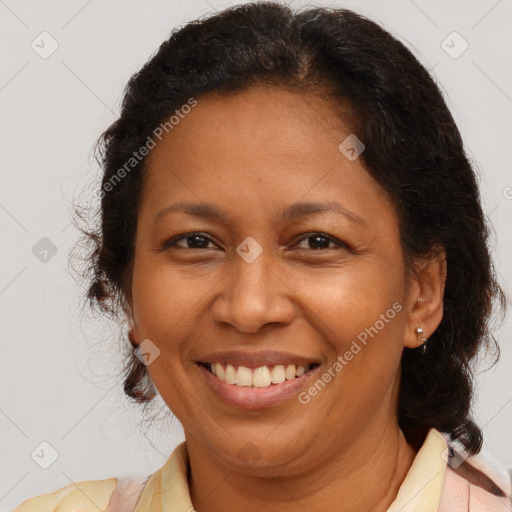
(59, 375)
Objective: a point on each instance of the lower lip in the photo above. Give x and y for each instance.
(252, 398)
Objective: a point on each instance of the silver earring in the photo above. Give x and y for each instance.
(421, 337)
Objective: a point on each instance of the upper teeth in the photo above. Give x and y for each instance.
(260, 377)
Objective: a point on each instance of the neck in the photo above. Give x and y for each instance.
(363, 477)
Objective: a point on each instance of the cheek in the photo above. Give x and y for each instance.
(359, 311)
(164, 301)
(353, 296)
(164, 309)
(360, 316)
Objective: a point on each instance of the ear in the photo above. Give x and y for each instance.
(425, 297)
(134, 333)
(134, 336)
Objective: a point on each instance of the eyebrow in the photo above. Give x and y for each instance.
(294, 211)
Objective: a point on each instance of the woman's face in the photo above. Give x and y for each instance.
(253, 283)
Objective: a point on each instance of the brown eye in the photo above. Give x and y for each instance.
(318, 241)
(192, 241)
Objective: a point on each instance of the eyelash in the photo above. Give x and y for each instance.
(173, 241)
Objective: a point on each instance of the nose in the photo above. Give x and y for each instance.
(254, 295)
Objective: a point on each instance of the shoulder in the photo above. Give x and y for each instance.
(112, 494)
(475, 483)
(86, 496)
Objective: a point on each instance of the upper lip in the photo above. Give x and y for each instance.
(254, 359)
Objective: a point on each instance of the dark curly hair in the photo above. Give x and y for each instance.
(413, 150)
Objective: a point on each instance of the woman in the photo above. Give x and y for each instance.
(291, 227)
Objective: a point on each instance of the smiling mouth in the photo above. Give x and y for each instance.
(260, 377)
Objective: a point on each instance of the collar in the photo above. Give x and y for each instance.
(422, 487)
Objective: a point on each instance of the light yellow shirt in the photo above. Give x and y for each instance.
(167, 489)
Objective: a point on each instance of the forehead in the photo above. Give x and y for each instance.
(260, 146)
(260, 119)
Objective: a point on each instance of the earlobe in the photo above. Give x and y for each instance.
(133, 336)
(427, 298)
(133, 330)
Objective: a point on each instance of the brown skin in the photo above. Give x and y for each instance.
(252, 154)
